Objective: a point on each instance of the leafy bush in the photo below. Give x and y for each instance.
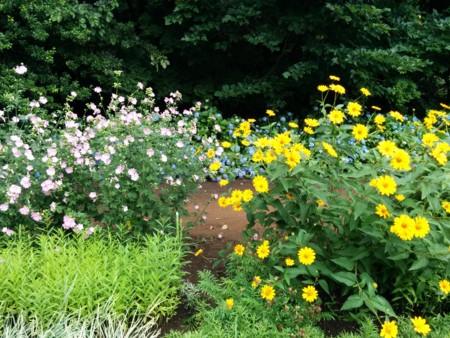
(357, 204)
(57, 275)
(125, 162)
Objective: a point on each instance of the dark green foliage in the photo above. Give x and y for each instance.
(244, 55)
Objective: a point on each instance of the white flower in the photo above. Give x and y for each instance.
(20, 69)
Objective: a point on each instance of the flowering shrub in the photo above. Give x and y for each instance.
(355, 203)
(126, 162)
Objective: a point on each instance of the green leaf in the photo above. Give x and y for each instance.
(346, 263)
(324, 285)
(346, 278)
(381, 304)
(352, 302)
(419, 263)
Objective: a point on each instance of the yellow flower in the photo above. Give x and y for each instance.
(244, 126)
(247, 195)
(309, 293)
(312, 122)
(268, 292)
(239, 249)
(376, 108)
(334, 78)
(444, 285)
(293, 125)
(270, 112)
(320, 203)
(337, 88)
(214, 166)
(400, 160)
(329, 148)
(429, 139)
(255, 282)
(420, 325)
(263, 251)
(422, 227)
(365, 91)
(258, 156)
(354, 109)
(226, 144)
(198, 252)
(336, 116)
(396, 115)
(223, 202)
(283, 139)
(322, 88)
(210, 153)
(262, 142)
(289, 261)
(245, 143)
(308, 130)
(223, 182)
(389, 330)
(386, 185)
(269, 156)
(379, 119)
(443, 105)
(360, 132)
(260, 184)
(404, 227)
(251, 120)
(382, 211)
(236, 195)
(400, 197)
(386, 148)
(306, 255)
(230, 303)
(446, 206)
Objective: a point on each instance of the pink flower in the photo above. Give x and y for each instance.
(120, 169)
(36, 216)
(93, 196)
(43, 99)
(25, 182)
(68, 222)
(4, 207)
(50, 171)
(7, 232)
(133, 174)
(117, 185)
(98, 90)
(53, 207)
(69, 170)
(47, 186)
(24, 210)
(163, 158)
(78, 228)
(20, 69)
(180, 144)
(150, 152)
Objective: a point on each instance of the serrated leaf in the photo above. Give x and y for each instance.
(346, 278)
(352, 302)
(419, 263)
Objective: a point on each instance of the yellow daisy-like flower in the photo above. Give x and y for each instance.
(379, 119)
(268, 292)
(198, 252)
(446, 206)
(269, 157)
(310, 293)
(222, 202)
(258, 156)
(223, 182)
(360, 132)
(236, 195)
(400, 197)
(429, 139)
(312, 122)
(239, 249)
(306, 255)
(376, 108)
(229, 302)
(382, 211)
(263, 251)
(334, 78)
(256, 281)
(396, 115)
(354, 109)
(389, 329)
(320, 203)
(214, 166)
(262, 142)
(247, 195)
(237, 206)
(336, 116)
(386, 148)
(322, 88)
(260, 184)
(422, 227)
(444, 286)
(308, 130)
(404, 227)
(365, 91)
(420, 325)
(400, 160)
(337, 89)
(245, 143)
(289, 261)
(283, 139)
(386, 185)
(293, 125)
(210, 153)
(270, 112)
(226, 144)
(329, 148)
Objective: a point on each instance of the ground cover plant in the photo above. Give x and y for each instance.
(360, 202)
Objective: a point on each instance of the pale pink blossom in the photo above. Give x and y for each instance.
(78, 228)
(150, 152)
(53, 207)
(180, 144)
(163, 158)
(133, 174)
(36, 216)
(68, 222)
(69, 170)
(7, 232)
(98, 90)
(4, 207)
(20, 69)
(24, 210)
(93, 195)
(50, 171)
(25, 182)
(43, 99)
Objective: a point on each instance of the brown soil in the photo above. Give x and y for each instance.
(211, 233)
